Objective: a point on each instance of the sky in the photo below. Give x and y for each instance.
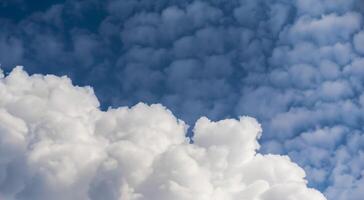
(296, 66)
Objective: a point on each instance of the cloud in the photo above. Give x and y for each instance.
(57, 144)
(296, 66)
(11, 50)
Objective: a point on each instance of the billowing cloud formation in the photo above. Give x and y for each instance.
(56, 144)
(295, 65)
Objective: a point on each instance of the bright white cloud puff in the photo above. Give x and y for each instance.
(295, 65)
(56, 144)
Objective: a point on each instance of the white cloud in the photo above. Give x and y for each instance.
(320, 30)
(358, 42)
(56, 144)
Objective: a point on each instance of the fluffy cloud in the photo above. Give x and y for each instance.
(296, 66)
(56, 144)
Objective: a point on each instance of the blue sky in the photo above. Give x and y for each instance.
(297, 66)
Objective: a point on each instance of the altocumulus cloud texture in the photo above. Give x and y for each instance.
(56, 144)
(295, 65)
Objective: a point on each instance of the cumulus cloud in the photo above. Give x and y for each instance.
(296, 66)
(55, 143)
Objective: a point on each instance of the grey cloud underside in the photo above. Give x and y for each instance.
(296, 66)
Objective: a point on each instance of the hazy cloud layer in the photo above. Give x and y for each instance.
(296, 66)
(56, 144)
